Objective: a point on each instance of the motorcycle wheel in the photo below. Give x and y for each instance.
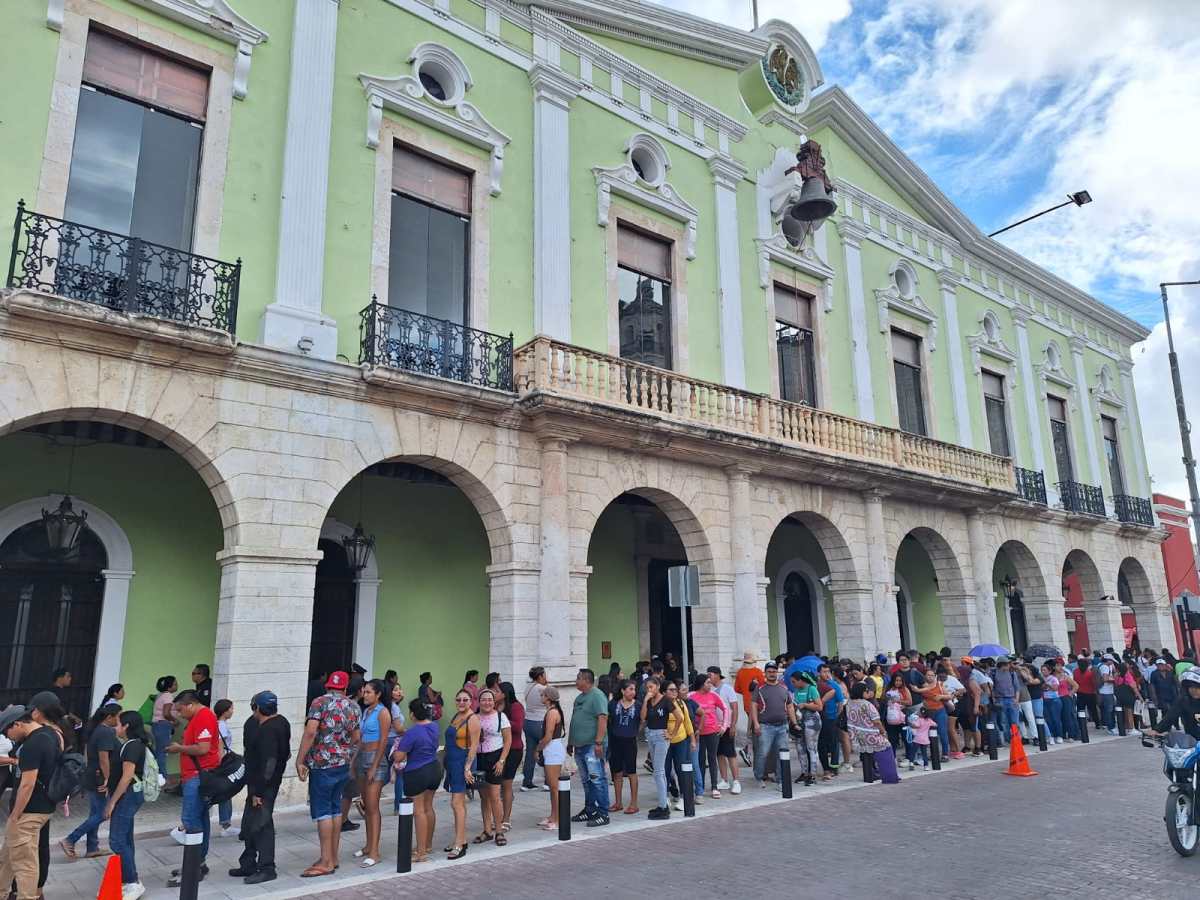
(1184, 838)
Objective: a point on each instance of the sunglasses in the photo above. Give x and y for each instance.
(462, 699)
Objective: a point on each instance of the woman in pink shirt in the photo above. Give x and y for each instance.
(712, 723)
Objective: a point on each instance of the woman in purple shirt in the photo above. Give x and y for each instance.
(418, 751)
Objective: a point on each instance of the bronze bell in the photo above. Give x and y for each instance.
(796, 230)
(815, 204)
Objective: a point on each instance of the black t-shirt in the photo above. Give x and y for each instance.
(102, 740)
(270, 740)
(656, 715)
(39, 751)
(204, 691)
(132, 751)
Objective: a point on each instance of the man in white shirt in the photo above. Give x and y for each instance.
(1106, 692)
(727, 760)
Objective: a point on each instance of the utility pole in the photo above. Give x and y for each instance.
(1185, 428)
(754, 7)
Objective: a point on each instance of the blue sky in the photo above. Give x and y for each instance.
(1009, 105)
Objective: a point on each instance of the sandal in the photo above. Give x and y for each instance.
(505, 826)
(484, 838)
(549, 826)
(458, 852)
(544, 822)
(368, 862)
(68, 850)
(421, 856)
(450, 849)
(315, 872)
(631, 810)
(501, 840)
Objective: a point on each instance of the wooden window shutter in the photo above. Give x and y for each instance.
(642, 253)
(430, 181)
(793, 307)
(906, 349)
(993, 385)
(142, 74)
(1058, 409)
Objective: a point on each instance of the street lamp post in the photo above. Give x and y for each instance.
(1079, 198)
(1185, 428)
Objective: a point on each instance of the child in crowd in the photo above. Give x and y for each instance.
(917, 737)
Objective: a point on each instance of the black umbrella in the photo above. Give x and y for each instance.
(1034, 650)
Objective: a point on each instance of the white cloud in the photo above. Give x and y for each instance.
(812, 19)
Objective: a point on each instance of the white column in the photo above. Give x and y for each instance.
(852, 232)
(1089, 421)
(982, 562)
(885, 623)
(727, 175)
(1036, 423)
(552, 95)
(367, 591)
(113, 615)
(949, 279)
(1134, 420)
(749, 602)
(1105, 628)
(295, 320)
(554, 594)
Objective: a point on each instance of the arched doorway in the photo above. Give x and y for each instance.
(925, 567)
(800, 633)
(800, 607)
(50, 610)
(1024, 613)
(333, 611)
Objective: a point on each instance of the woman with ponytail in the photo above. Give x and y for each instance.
(125, 798)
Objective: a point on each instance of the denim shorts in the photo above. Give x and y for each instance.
(325, 789)
(362, 765)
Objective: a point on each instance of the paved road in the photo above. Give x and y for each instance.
(1089, 826)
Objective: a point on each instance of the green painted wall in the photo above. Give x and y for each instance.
(28, 61)
(793, 541)
(1002, 568)
(432, 552)
(915, 568)
(173, 528)
(612, 589)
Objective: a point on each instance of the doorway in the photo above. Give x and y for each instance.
(333, 611)
(666, 633)
(800, 636)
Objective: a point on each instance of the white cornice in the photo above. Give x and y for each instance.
(776, 116)
(889, 301)
(623, 181)
(833, 107)
(407, 96)
(981, 346)
(215, 18)
(659, 27)
(777, 249)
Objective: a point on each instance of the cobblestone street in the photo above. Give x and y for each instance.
(1090, 825)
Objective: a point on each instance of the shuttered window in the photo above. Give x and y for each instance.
(142, 74)
(795, 347)
(1112, 454)
(906, 365)
(994, 407)
(644, 254)
(1060, 438)
(644, 297)
(421, 178)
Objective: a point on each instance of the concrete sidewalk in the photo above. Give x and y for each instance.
(297, 848)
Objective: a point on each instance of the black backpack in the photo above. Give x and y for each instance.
(67, 778)
(224, 781)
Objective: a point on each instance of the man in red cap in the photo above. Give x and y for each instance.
(330, 736)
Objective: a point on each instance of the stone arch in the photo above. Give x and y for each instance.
(958, 609)
(945, 561)
(834, 546)
(189, 438)
(1140, 587)
(1151, 602)
(110, 638)
(1088, 573)
(1102, 612)
(1041, 619)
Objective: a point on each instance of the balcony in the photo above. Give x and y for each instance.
(411, 342)
(122, 273)
(1031, 485)
(1082, 498)
(1134, 510)
(550, 367)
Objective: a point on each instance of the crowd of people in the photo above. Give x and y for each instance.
(696, 729)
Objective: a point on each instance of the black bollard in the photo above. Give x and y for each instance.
(1153, 710)
(1083, 727)
(687, 787)
(404, 836)
(1119, 714)
(992, 741)
(564, 807)
(935, 749)
(867, 761)
(1041, 730)
(785, 773)
(189, 875)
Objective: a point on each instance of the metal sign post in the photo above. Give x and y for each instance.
(683, 590)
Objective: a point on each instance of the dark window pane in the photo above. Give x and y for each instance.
(1113, 455)
(104, 162)
(997, 426)
(427, 268)
(644, 316)
(1062, 450)
(909, 400)
(165, 196)
(797, 364)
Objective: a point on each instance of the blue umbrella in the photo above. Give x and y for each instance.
(808, 664)
(988, 650)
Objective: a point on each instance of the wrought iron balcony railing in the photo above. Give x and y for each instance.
(122, 273)
(1082, 498)
(411, 342)
(1134, 510)
(1031, 485)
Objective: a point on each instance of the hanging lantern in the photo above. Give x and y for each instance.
(359, 547)
(63, 527)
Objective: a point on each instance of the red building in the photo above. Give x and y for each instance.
(1179, 555)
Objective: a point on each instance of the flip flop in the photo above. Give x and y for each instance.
(484, 838)
(68, 850)
(368, 862)
(631, 810)
(315, 872)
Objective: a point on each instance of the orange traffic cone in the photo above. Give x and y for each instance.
(1018, 763)
(110, 887)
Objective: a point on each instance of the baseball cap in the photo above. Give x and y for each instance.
(1160, 662)
(266, 703)
(1109, 656)
(771, 664)
(43, 700)
(338, 681)
(10, 715)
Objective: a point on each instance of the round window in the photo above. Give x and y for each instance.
(904, 283)
(646, 166)
(991, 328)
(432, 86)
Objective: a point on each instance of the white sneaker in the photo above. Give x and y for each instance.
(908, 764)
(722, 785)
(1135, 732)
(678, 805)
(178, 834)
(846, 767)
(716, 795)
(132, 891)
(1058, 740)
(546, 788)
(229, 831)
(737, 787)
(699, 799)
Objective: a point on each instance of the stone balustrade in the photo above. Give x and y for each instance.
(561, 369)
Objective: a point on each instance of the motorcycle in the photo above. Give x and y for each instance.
(1180, 757)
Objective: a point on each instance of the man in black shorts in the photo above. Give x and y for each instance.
(727, 758)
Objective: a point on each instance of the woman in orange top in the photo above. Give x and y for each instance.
(934, 696)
